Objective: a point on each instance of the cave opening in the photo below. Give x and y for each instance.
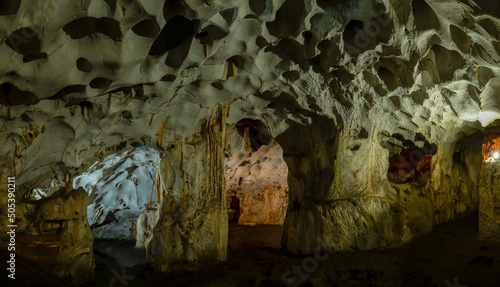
(256, 186)
(489, 217)
(122, 203)
(410, 164)
(491, 147)
(474, 151)
(476, 158)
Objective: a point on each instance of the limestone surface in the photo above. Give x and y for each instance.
(489, 204)
(259, 179)
(120, 187)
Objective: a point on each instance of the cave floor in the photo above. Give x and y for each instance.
(451, 251)
(241, 236)
(452, 255)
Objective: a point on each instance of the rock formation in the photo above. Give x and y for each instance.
(120, 188)
(342, 86)
(257, 174)
(489, 192)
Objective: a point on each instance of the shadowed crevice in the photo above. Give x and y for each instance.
(68, 90)
(83, 65)
(172, 35)
(10, 95)
(25, 42)
(147, 28)
(86, 26)
(9, 7)
(100, 83)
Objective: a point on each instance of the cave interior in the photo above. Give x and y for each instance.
(250, 143)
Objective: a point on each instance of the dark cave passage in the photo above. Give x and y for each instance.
(410, 164)
(256, 186)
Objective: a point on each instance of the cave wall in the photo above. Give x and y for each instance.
(55, 234)
(192, 225)
(341, 85)
(361, 209)
(489, 217)
(309, 151)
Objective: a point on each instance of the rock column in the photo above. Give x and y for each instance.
(489, 201)
(192, 229)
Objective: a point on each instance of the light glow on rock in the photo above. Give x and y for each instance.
(496, 155)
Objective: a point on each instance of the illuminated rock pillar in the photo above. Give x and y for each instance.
(489, 200)
(192, 229)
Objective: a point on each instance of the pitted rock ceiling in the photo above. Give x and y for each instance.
(341, 85)
(80, 77)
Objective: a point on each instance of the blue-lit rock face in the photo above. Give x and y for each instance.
(120, 187)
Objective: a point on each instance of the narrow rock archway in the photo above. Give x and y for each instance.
(489, 192)
(123, 203)
(256, 185)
